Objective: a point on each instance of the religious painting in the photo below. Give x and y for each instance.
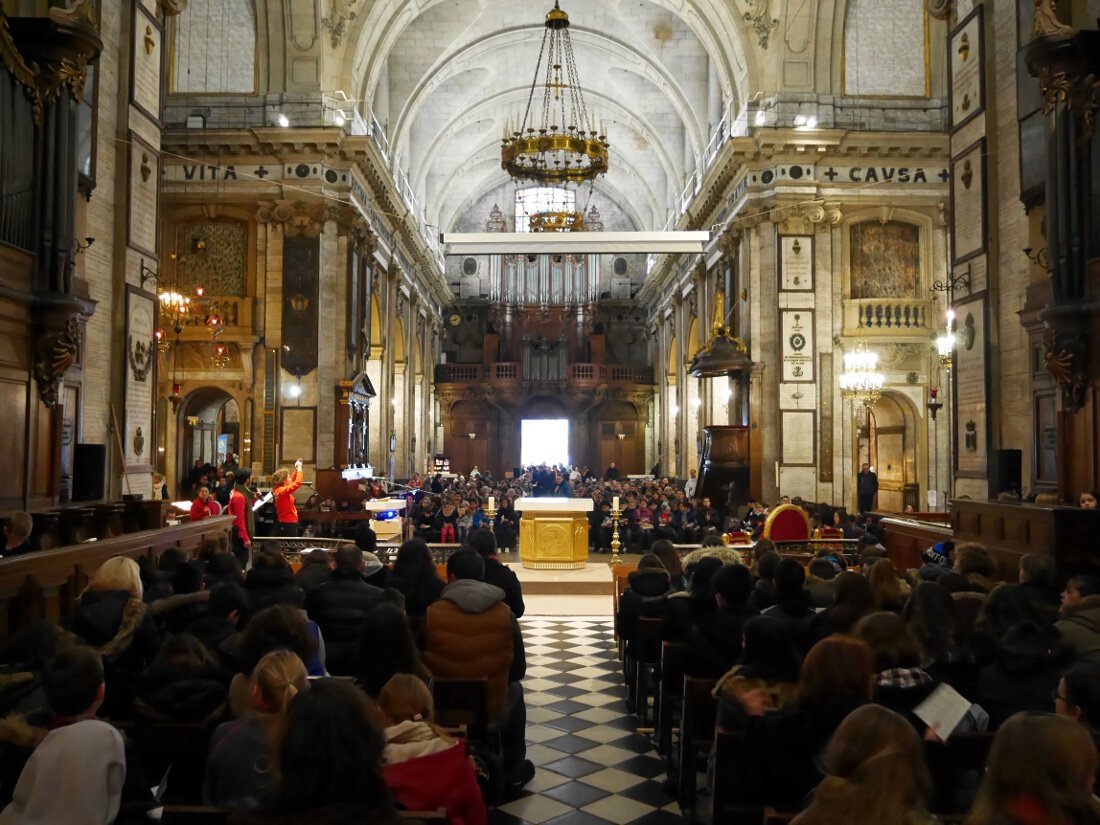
(967, 83)
(968, 202)
(141, 357)
(971, 376)
(213, 255)
(884, 260)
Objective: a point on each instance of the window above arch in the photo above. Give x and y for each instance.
(535, 199)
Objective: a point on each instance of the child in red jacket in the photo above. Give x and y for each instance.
(424, 768)
(283, 487)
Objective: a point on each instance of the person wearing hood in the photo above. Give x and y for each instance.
(470, 633)
(1024, 674)
(763, 592)
(792, 602)
(646, 595)
(425, 768)
(340, 607)
(185, 684)
(1080, 622)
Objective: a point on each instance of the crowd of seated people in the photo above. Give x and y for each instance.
(821, 677)
(282, 698)
(651, 508)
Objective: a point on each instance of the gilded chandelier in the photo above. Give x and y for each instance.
(861, 381)
(563, 147)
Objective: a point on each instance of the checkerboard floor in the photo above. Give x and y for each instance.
(591, 767)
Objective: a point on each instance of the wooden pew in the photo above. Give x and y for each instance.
(696, 736)
(45, 584)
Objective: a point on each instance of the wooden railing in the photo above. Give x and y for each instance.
(45, 584)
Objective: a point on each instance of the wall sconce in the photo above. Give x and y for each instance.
(471, 436)
(933, 405)
(620, 436)
(147, 273)
(81, 248)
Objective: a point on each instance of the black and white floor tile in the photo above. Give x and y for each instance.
(592, 768)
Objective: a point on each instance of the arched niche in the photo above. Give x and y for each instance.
(888, 438)
(206, 414)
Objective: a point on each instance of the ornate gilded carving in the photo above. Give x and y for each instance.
(54, 353)
(1046, 22)
(1065, 354)
(297, 217)
(763, 24)
(1067, 64)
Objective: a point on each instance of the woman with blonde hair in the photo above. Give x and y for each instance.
(1041, 769)
(886, 587)
(874, 772)
(111, 617)
(238, 770)
(424, 768)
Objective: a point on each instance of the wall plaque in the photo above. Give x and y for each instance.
(143, 186)
(299, 434)
(967, 86)
(968, 202)
(796, 262)
(972, 390)
(797, 331)
(797, 436)
(141, 357)
(146, 63)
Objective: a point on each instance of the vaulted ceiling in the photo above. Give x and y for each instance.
(443, 76)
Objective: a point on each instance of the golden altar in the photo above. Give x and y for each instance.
(553, 532)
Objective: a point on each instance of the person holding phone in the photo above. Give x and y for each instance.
(284, 484)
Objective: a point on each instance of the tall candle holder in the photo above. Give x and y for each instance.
(490, 513)
(615, 543)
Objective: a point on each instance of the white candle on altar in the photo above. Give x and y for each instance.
(492, 502)
(615, 503)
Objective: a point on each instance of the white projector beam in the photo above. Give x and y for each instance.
(571, 243)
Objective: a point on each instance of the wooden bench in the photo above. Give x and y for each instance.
(700, 709)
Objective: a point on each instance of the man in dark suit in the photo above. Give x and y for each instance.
(866, 488)
(612, 473)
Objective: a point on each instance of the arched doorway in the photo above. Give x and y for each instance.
(208, 425)
(887, 439)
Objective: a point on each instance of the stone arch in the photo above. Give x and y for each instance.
(889, 439)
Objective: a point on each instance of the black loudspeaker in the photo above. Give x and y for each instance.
(1004, 472)
(89, 472)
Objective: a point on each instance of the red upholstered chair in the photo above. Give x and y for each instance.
(787, 522)
(831, 533)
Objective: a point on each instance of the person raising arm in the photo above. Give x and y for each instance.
(284, 484)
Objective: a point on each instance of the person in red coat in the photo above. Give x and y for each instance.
(240, 508)
(284, 485)
(424, 768)
(204, 505)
